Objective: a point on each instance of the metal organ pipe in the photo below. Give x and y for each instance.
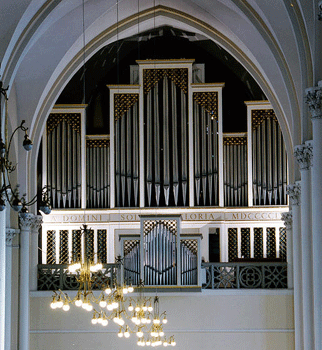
(175, 171)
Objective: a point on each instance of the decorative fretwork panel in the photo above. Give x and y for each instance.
(235, 171)
(179, 76)
(189, 260)
(245, 242)
(269, 168)
(271, 242)
(64, 159)
(232, 244)
(205, 152)
(101, 246)
(166, 144)
(127, 152)
(245, 275)
(132, 256)
(97, 173)
(51, 247)
(55, 277)
(63, 247)
(89, 245)
(160, 252)
(258, 242)
(283, 244)
(76, 245)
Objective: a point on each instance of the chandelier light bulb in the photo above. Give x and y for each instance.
(94, 320)
(148, 321)
(109, 306)
(121, 321)
(108, 290)
(161, 333)
(164, 321)
(104, 322)
(66, 306)
(137, 308)
(127, 333)
(130, 288)
(144, 308)
(148, 343)
(100, 320)
(89, 307)
(53, 304)
(156, 321)
(139, 333)
(125, 290)
(115, 304)
(165, 343)
(130, 308)
(150, 308)
(120, 333)
(102, 303)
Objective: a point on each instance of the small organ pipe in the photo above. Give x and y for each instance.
(166, 155)
(58, 163)
(209, 160)
(269, 161)
(275, 159)
(70, 162)
(135, 155)
(175, 171)
(117, 163)
(129, 155)
(123, 157)
(79, 170)
(184, 158)
(197, 152)
(157, 161)
(263, 157)
(149, 147)
(254, 168)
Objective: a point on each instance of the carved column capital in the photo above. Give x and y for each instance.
(313, 97)
(287, 217)
(320, 11)
(26, 221)
(304, 155)
(10, 234)
(36, 223)
(294, 193)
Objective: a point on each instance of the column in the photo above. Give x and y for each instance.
(287, 218)
(2, 277)
(313, 99)
(303, 154)
(10, 234)
(294, 193)
(34, 251)
(26, 223)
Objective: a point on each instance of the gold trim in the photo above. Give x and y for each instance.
(259, 115)
(73, 119)
(239, 140)
(160, 61)
(123, 102)
(209, 101)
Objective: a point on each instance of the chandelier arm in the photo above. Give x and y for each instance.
(21, 127)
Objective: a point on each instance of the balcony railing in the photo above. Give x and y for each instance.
(249, 275)
(54, 277)
(237, 275)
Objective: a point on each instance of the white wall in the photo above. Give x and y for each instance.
(210, 320)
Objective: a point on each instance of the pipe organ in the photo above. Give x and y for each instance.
(166, 148)
(64, 159)
(97, 172)
(235, 170)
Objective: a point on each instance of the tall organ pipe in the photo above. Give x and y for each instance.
(157, 161)
(184, 165)
(175, 171)
(166, 155)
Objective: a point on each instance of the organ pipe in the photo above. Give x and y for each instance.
(63, 159)
(269, 160)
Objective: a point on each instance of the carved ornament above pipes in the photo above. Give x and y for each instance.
(73, 119)
(178, 75)
(259, 115)
(208, 101)
(122, 103)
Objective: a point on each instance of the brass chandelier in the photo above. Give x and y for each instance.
(7, 193)
(137, 315)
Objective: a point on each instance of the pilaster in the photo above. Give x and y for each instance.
(313, 97)
(304, 156)
(294, 193)
(287, 218)
(35, 226)
(26, 222)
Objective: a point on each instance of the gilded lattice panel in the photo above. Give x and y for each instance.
(258, 242)
(232, 244)
(178, 75)
(283, 244)
(271, 242)
(76, 245)
(245, 242)
(259, 115)
(129, 245)
(97, 143)
(63, 247)
(236, 140)
(209, 101)
(149, 225)
(101, 246)
(51, 247)
(73, 119)
(191, 244)
(89, 245)
(122, 103)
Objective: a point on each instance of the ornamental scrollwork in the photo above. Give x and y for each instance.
(304, 155)
(287, 217)
(294, 193)
(313, 98)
